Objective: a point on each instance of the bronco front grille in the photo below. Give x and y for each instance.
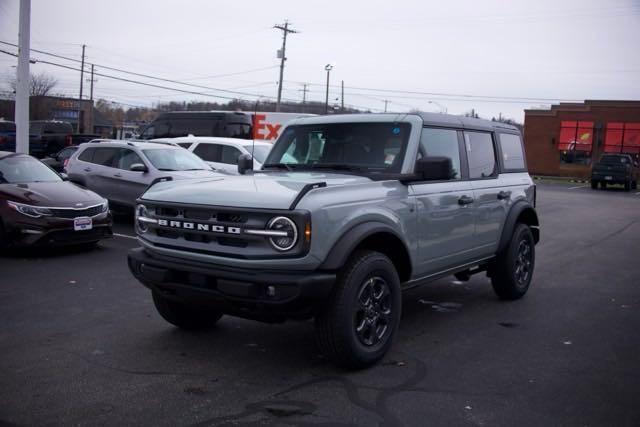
(218, 230)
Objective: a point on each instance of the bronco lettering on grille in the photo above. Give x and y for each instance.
(199, 226)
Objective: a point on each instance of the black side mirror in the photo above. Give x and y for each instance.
(245, 163)
(434, 168)
(138, 167)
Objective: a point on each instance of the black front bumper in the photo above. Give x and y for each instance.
(268, 295)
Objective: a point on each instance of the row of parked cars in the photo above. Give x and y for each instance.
(105, 171)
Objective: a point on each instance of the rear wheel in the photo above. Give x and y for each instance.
(594, 185)
(627, 186)
(358, 323)
(603, 185)
(185, 316)
(514, 265)
(634, 185)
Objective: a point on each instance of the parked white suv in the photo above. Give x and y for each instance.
(223, 153)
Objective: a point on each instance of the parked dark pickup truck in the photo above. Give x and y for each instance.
(47, 137)
(615, 169)
(7, 136)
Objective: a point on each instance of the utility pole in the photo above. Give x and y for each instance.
(80, 98)
(91, 82)
(22, 84)
(385, 105)
(304, 91)
(283, 56)
(342, 98)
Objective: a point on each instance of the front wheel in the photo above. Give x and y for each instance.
(514, 265)
(603, 185)
(356, 327)
(594, 185)
(183, 315)
(627, 186)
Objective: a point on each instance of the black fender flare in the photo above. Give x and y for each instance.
(516, 210)
(346, 244)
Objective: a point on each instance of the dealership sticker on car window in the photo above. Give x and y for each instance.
(81, 224)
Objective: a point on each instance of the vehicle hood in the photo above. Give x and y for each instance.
(272, 190)
(61, 194)
(190, 174)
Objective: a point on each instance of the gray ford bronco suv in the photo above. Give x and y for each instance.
(346, 213)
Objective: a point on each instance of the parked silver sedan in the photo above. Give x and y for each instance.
(121, 170)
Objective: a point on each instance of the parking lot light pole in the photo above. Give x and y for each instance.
(22, 74)
(327, 67)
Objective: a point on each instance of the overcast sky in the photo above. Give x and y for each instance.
(544, 50)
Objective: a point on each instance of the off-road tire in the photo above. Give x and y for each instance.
(345, 322)
(594, 185)
(509, 283)
(185, 316)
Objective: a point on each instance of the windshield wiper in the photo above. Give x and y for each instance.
(167, 170)
(194, 169)
(279, 166)
(335, 166)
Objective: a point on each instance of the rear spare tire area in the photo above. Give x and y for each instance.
(357, 325)
(514, 266)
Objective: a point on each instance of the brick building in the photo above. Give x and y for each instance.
(64, 109)
(566, 139)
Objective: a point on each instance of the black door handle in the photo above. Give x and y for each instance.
(504, 195)
(465, 200)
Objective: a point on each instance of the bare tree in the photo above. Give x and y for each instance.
(39, 84)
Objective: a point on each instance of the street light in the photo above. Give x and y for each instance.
(327, 67)
(442, 107)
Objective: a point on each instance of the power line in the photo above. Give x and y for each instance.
(144, 75)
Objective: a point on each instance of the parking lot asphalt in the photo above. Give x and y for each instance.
(81, 343)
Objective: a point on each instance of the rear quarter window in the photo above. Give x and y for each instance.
(512, 153)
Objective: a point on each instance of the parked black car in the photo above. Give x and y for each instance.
(37, 207)
(58, 161)
(615, 169)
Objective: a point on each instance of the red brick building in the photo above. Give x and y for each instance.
(567, 139)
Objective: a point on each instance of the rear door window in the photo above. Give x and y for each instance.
(230, 155)
(481, 154)
(105, 156)
(512, 154)
(208, 152)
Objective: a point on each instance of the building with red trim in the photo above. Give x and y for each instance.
(568, 138)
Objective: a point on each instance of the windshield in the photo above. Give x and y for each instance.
(260, 152)
(22, 169)
(174, 160)
(369, 147)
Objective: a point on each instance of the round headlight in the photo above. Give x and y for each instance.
(141, 211)
(283, 225)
